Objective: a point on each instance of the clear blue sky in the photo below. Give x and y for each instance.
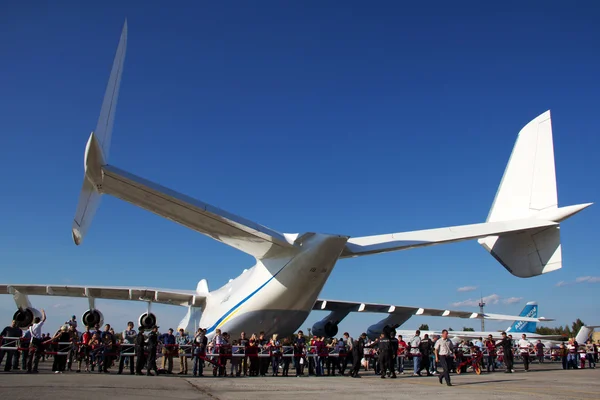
(337, 117)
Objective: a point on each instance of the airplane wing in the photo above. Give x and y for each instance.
(334, 305)
(163, 296)
(218, 224)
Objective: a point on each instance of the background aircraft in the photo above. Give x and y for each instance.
(279, 291)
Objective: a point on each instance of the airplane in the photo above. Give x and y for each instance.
(516, 329)
(277, 294)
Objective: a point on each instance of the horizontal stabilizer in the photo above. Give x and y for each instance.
(527, 254)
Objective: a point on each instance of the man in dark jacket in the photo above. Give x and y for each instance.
(12, 356)
(358, 351)
(152, 343)
(425, 346)
(507, 347)
(140, 356)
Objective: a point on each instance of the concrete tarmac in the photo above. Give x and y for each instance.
(546, 381)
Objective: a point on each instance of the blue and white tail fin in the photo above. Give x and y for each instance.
(530, 311)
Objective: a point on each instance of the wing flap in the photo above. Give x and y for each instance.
(163, 296)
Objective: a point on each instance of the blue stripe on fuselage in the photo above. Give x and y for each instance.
(232, 309)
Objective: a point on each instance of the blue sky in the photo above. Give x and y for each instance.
(303, 116)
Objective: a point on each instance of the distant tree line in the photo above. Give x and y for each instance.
(561, 330)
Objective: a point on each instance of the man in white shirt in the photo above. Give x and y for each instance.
(415, 351)
(524, 346)
(36, 347)
(444, 352)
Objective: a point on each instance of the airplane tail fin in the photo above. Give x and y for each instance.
(584, 333)
(98, 147)
(530, 311)
(528, 190)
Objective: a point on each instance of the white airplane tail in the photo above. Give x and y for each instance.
(528, 190)
(98, 146)
(584, 334)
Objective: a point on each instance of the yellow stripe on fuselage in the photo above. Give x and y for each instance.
(228, 318)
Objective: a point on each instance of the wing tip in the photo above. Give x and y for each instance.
(77, 238)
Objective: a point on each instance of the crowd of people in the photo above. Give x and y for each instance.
(95, 349)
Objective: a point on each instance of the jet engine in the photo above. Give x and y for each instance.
(325, 328)
(92, 317)
(147, 320)
(25, 316)
(375, 330)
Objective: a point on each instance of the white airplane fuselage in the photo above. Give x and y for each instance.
(277, 294)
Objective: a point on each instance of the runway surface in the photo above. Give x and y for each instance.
(542, 382)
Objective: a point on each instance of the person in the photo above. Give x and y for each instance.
(72, 322)
(524, 346)
(152, 342)
(425, 348)
(401, 354)
(299, 350)
(287, 350)
(182, 341)
(562, 352)
(385, 354)
(12, 356)
(444, 351)
(348, 341)
(200, 342)
(74, 349)
(60, 359)
(168, 341)
(243, 364)
(129, 337)
(539, 350)
(36, 346)
(589, 350)
(263, 362)
(358, 351)
(491, 354)
(83, 355)
(108, 341)
(394, 343)
(506, 345)
(139, 351)
(415, 352)
(275, 351)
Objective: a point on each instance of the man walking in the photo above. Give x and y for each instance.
(443, 354)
